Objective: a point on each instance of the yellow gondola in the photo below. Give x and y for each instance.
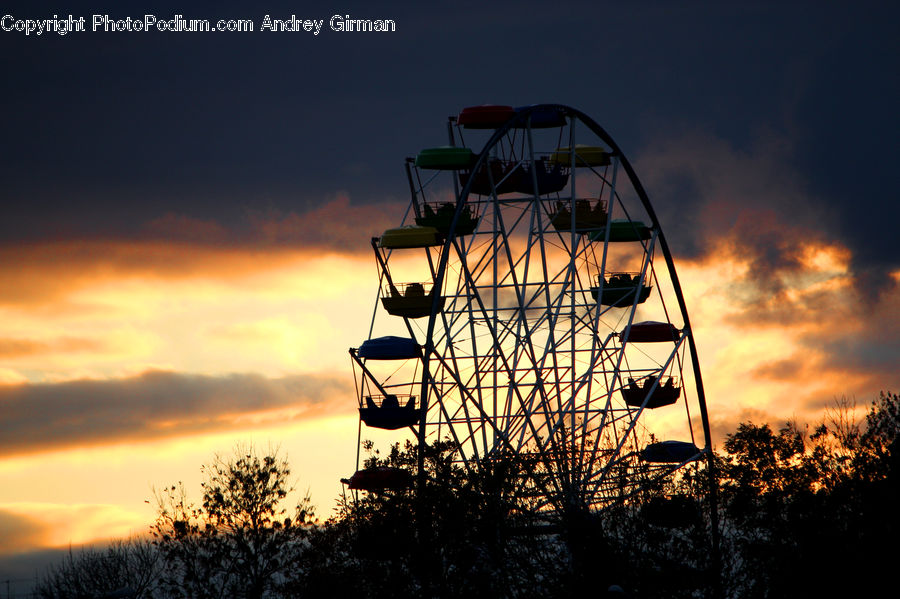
(409, 300)
(411, 236)
(584, 156)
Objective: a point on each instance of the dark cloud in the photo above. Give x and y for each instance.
(816, 166)
(755, 206)
(112, 131)
(846, 129)
(334, 224)
(871, 351)
(41, 417)
(714, 200)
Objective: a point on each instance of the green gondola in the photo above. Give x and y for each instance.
(623, 230)
(440, 216)
(446, 158)
(620, 290)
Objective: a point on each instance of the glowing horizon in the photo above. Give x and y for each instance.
(270, 328)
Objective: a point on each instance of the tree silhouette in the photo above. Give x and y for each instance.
(464, 534)
(796, 504)
(805, 514)
(127, 568)
(240, 541)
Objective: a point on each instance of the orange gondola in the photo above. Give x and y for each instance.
(665, 394)
(386, 412)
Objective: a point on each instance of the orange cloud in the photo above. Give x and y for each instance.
(41, 274)
(28, 526)
(177, 247)
(770, 357)
(14, 348)
(337, 225)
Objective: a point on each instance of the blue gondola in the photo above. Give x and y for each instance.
(389, 348)
(542, 118)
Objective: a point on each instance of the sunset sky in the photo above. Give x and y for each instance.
(183, 248)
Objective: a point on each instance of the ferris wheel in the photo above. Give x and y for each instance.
(528, 305)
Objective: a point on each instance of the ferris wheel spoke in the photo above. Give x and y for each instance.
(483, 312)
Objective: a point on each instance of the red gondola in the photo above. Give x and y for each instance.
(485, 117)
(383, 478)
(651, 332)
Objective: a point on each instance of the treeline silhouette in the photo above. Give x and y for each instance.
(802, 512)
